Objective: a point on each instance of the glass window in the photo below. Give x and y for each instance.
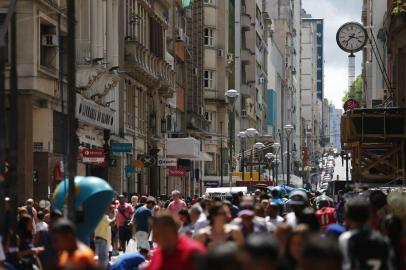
(208, 79)
(209, 37)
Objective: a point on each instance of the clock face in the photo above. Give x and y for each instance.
(351, 37)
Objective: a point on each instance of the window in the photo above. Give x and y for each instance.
(49, 43)
(208, 79)
(209, 37)
(6, 49)
(210, 2)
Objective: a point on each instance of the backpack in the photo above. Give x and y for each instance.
(368, 250)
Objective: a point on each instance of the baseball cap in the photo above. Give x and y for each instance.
(297, 197)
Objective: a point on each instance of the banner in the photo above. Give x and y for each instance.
(173, 171)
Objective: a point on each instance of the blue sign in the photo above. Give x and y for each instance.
(129, 169)
(121, 147)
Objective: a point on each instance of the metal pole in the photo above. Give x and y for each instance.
(230, 135)
(347, 178)
(288, 161)
(259, 164)
(72, 140)
(221, 154)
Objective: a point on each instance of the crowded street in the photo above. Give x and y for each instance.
(202, 135)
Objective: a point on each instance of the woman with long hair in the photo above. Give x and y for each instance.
(219, 231)
(27, 254)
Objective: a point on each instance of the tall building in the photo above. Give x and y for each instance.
(312, 84)
(335, 126)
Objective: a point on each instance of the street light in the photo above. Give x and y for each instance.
(270, 157)
(242, 135)
(288, 130)
(276, 146)
(259, 146)
(231, 96)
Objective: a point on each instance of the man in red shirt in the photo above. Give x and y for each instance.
(123, 219)
(326, 213)
(174, 251)
(177, 204)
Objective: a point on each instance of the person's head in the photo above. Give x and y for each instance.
(309, 218)
(195, 211)
(22, 211)
(150, 203)
(296, 241)
(30, 202)
(176, 195)
(378, 202)
(323, 201)
(165, 230)
(223, 257)
(272, 210)
(121, 199)
(218, 213)
(134, 200)
(320, 254)
(264, 204)
(40, 215)
(55, 215)
(143, 199)
(184, 217)
(25, 226)
(357, 212)
(63, 236)
(393, 227)
(263, 251)
(298, 201)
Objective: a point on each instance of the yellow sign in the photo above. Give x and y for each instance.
(138, 164)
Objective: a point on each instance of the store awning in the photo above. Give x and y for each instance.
(187, 148)
(203, 156)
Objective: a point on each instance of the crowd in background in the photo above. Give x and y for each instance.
(263, 230)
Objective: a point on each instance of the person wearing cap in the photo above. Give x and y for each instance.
(272, 214)
(297, 202)
(326, 214)
(141, 220)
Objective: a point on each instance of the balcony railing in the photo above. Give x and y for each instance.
(148, 68)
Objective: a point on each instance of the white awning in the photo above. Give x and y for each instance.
(203, 156)
(187, 148)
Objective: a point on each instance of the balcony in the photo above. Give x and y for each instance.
(147, 68)
(245, 22)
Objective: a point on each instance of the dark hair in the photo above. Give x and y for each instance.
(214, 210)
(22, 229)
(222, 257)
(377, 199)
(357, 210)
(40, 215)
(319, 249)
(164, 219)
(64, 226)
(309, 218)
(262, 246)
(184, 212)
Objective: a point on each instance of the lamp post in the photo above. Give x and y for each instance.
(251, 133)
(276, 146)
(288, 130)
(270, 157)
(231, 96)
(259, 146)
(242, 135)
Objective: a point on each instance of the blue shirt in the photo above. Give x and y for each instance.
(142, 216)
(128, 261)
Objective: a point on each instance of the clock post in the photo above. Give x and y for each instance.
(351, 71)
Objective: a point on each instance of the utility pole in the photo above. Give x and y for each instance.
(72, 124)
(221, 154)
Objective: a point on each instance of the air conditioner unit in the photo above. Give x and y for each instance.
(194, 71)
(220, 53)
(180, 35)
(261, 80)
(49, 40)
(243, 113)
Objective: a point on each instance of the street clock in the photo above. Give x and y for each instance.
(351, 37)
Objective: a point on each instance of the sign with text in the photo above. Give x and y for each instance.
(208, 183)
(167, 162)
(116, 147)
(90, 112)
(93, 155)
(173, 171)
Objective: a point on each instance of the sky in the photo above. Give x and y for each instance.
(335, 13)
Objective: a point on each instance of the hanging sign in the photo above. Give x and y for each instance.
(167, 162)
(173, 171)
(90, 112)
(93, 155)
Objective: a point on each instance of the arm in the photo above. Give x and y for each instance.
(238, 237)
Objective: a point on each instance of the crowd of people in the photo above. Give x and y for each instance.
(264, 230)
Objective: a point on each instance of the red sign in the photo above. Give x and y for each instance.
(351, 104)
(173, 171)
(93, 155)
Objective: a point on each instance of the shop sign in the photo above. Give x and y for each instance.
(213, 184)
(173, 171)
(90, 112)
(93, 155)
(121, 147)
(167, 162)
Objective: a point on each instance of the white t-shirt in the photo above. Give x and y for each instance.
(275, 221)
(41, 226)
(291, 219)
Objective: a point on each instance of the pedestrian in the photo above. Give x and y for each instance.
(320, 254)
(272, 214)
(186, 227)
(102, 240)
(124, 215)
(198, 218)
(134, 201)
(326, 213)
(263, 252)
(297, 201)
(73, 254)
(362, 247)
(112, 213)
(226, 256)
(173, 251)
(141, 220)
(219, 231)
(177, 204)
(41, 224)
